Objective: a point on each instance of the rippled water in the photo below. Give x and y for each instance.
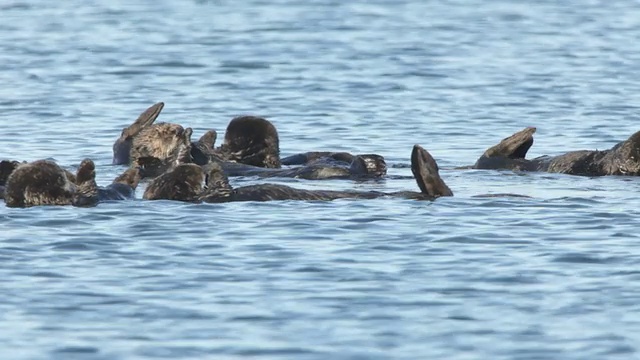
(554, 276)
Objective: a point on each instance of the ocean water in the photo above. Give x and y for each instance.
(553, 276)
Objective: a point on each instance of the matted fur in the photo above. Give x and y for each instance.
(182, 183)
(41, 182)
(252, 140)
(159, 141)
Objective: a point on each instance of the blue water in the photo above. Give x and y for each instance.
(554, 276)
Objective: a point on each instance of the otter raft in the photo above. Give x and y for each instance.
(319, 180)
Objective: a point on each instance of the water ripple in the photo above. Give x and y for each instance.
(516, 265)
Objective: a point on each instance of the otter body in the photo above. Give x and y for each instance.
(43, 182)
(621, 159)
(185, 183)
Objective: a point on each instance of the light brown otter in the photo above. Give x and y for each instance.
(161, 147)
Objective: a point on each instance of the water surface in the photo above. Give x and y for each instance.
(553, 276)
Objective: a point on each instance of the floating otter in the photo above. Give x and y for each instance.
(159, 148)
(249, 140)
(184, 183)
(43, 182)
(251, 148)
(122, 146)
(621, 159)
(316, 165)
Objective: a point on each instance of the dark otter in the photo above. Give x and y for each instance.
(317, 166)
(184, 183)
(251, 140)
(122, 146)
(621, 159)
(360, 167)
(43, 182)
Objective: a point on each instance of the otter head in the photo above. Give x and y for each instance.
(374, 164)
(625, 157)
(122, 146)
(253, 141)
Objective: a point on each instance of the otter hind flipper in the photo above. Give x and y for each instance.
(515, 146)
(425, 171)
(122, 146)
(145, 119)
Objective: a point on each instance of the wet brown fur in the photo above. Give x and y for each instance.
(158, 140)
(122, 146)
(182, 183)
(252, 140)
(44, 182)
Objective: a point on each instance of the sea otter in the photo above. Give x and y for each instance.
(43, 182)
(316, 165)
(621, 159)
(185, 183)
(250, 148)
(161, 147)
(122, 146)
